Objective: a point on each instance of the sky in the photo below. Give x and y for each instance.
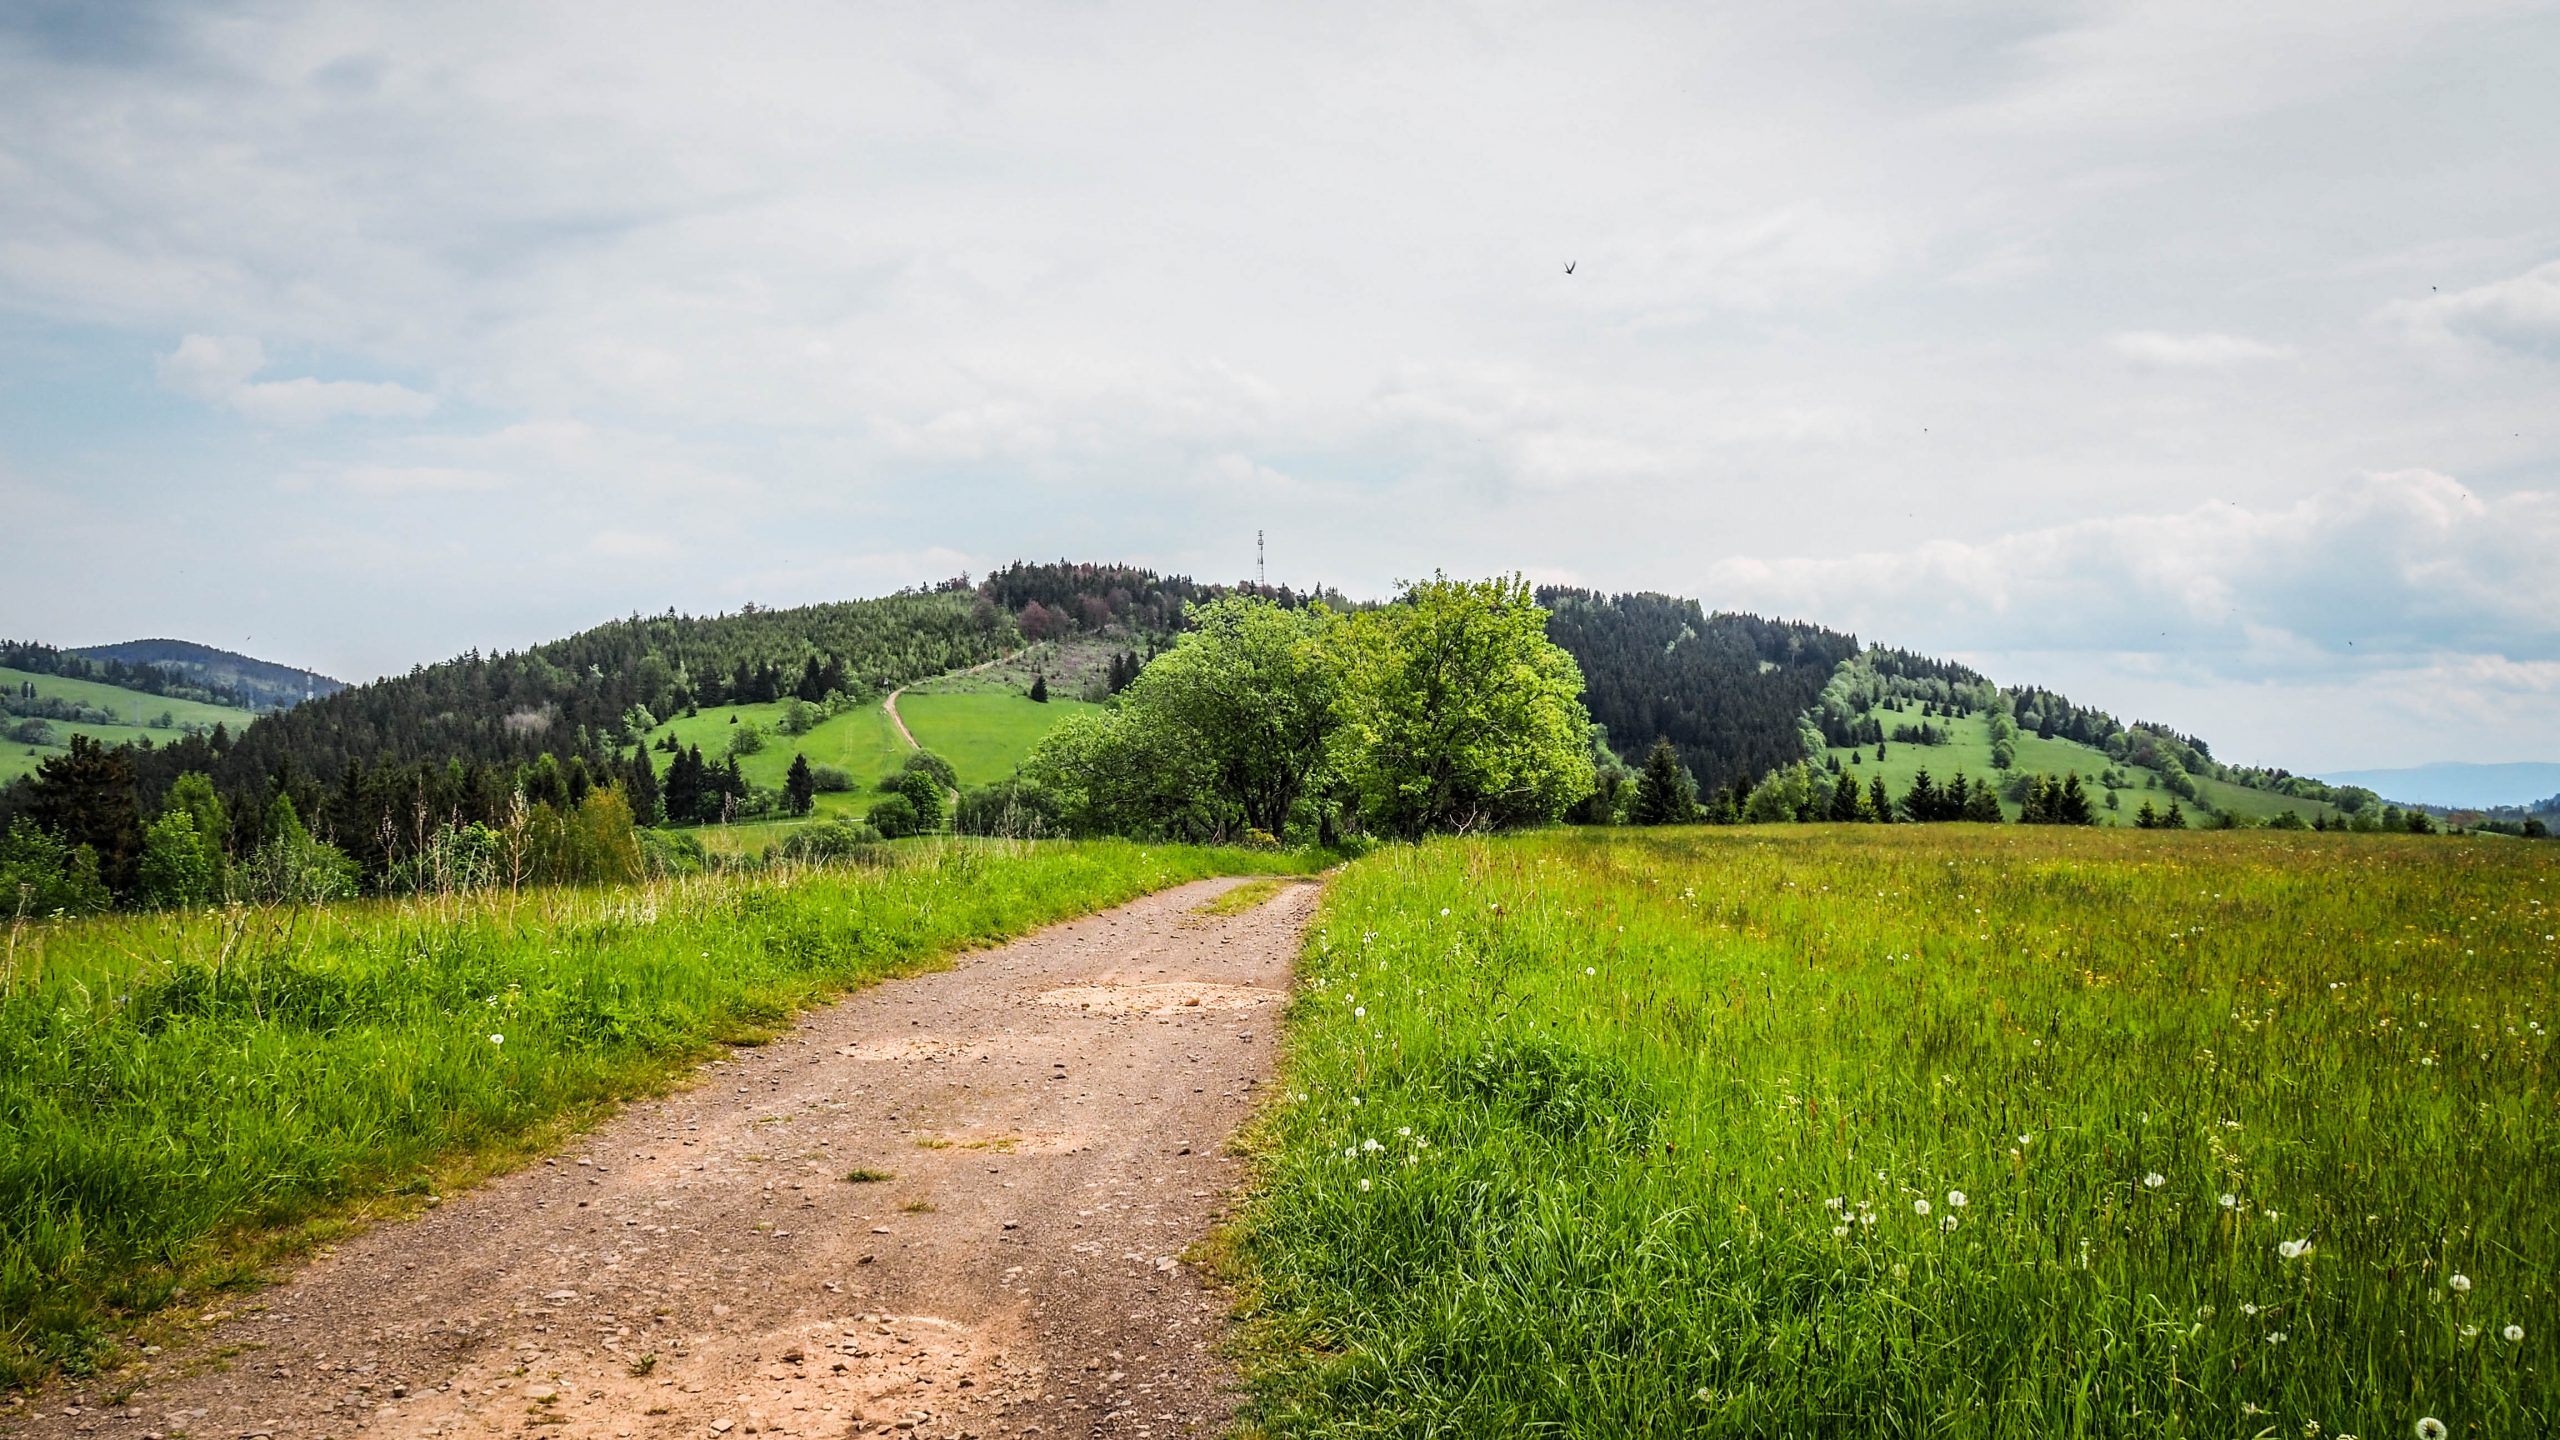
(2199, 361)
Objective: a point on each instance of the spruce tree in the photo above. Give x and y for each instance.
(1664, 795)
(640, 787)
(1040, 689)
(1844, 799)
(799, 787)
(1879, 802)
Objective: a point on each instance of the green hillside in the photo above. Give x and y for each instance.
(984, 736)
(138, 716)
(1968, 749)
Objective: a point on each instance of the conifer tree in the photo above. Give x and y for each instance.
(1879, 802)
(799, 787)
(1664, 795)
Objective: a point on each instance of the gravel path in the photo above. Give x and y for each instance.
(1051, 1114)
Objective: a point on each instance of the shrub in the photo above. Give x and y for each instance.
(895, 817)
(831, 779)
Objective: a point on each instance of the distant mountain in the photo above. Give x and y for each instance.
(253, 683)
(2458, 786)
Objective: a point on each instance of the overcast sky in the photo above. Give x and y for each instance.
(2199, 360)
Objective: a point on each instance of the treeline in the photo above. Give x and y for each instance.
(41, 659)
(1048, 600)
(1663, 793)
(1728, 691)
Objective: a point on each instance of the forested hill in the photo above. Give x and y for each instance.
(1728, 691)
(251, 683)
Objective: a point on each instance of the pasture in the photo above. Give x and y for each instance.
(1944, 1131)
(184, 1097)
(1968, 749)
(984, 735)
(18, 758)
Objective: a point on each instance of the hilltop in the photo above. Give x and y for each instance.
(242, 680)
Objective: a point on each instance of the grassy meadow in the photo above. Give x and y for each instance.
(861, 741)
(185, 1096)
(1942, 1131)
(20, 759)
(1969, 750)
(985, 736)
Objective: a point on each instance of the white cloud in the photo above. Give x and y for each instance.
(417, 479)
(217, 370)
(2521, 312)
(2206, 351)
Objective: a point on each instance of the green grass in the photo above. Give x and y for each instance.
(1251, 895)
(1969, 751)
(984, 736)
(1608, 1134)
(17, 759)
(860, 741)
(182, 1097)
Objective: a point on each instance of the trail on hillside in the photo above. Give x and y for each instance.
(1041, 1128)
(890, 702)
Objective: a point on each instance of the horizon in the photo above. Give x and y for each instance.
(2201, 372)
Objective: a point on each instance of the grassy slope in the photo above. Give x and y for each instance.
(1611, 1134)
(153, 1106)
(1970, 752)
(984, 736)
(861, 741)
(17, 760)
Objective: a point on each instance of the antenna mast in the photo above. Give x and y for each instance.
(1261, 565)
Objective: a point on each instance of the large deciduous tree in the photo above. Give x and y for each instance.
(1463, 715)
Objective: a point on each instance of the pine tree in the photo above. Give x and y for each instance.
(2176, 819)
(85, 797)
(799, 787)
(1879, 802)
(640, 787)
(1921, 802)
(1844, 799)
(1983, 806)
(1664, 795)
(2074, 803)
(1040, 689)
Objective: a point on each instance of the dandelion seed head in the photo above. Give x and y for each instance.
(497, 1039)
(2294, 1249)
(2154, 1180)
(1955, 1199)
(2513, 1334)
(2430, 1428)
(2461, 1284)
(1920, 1207)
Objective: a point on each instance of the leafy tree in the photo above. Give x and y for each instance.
(291, 866)
(1463, 714)
(830, 779)
(175, 871)
(747, 739)
(799, 787)
(1613, 786)
(933, 765)
(1784, 794)
(895, 817)
(924, 792)
(40, 875)
(1664, 795)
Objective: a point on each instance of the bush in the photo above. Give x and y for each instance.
(831, 779)
(831, 843)
(746, 740)
(925, 762)
(1012, 810)
(895, 817)
(922, 789)
(671, 852)
(39, 875)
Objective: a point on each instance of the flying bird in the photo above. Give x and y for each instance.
(1569, 264)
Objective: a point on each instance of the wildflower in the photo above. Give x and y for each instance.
(2513, 1334)
(2294, 1249)
(2275, 1337)
(1364, 1183)
(2430, 1428)
(1590, 970)
(1920, 1207)
(1955, 1199)
(1831, 1204)
(1371, 1146)
(1406, 1130)
(2461, 1284)
(2229, 1200)
(1947, 1224)
(497, 1039)
(1444, 909)
(2249, 1308)
(1359, 1012)
(2027, 1139)
(1839, 1231)
(2470, 1332)
(2154, 1180)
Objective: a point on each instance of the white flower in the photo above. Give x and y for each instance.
(1832, 1204)
(1371, 1146)
(497, 1039)
(2430, 1428)
(1364, 1184)
(2512, 1333)
(1590, 970)
(2294, 1249)
(2461, 1284)
(2154, 1180)
(1920, 1207)
(1404, 1130)
(2229, 1200)
(1955, 1199)
(2249, 1308)
(1444, 909)
(1947, 1224)
(1840, 1230)
(2275, 1337)
(2470, 1332)
(1359, 1012)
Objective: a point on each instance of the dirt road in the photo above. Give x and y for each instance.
(889, 702)
(1049, 1116)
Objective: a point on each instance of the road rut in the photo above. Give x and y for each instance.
(1051, 1116)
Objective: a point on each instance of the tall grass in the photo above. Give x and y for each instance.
(175, 1088)
(1921, 1131)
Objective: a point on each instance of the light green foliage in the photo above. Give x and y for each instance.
(747, 738)
(896, 816)
(1783, 794)
(858, 741)
(169, 1080)
(1913, 1131)
(175, 870)
(41, 876)
(293, 867)
(1462, 714)
(1970, 750)
(924, 792)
